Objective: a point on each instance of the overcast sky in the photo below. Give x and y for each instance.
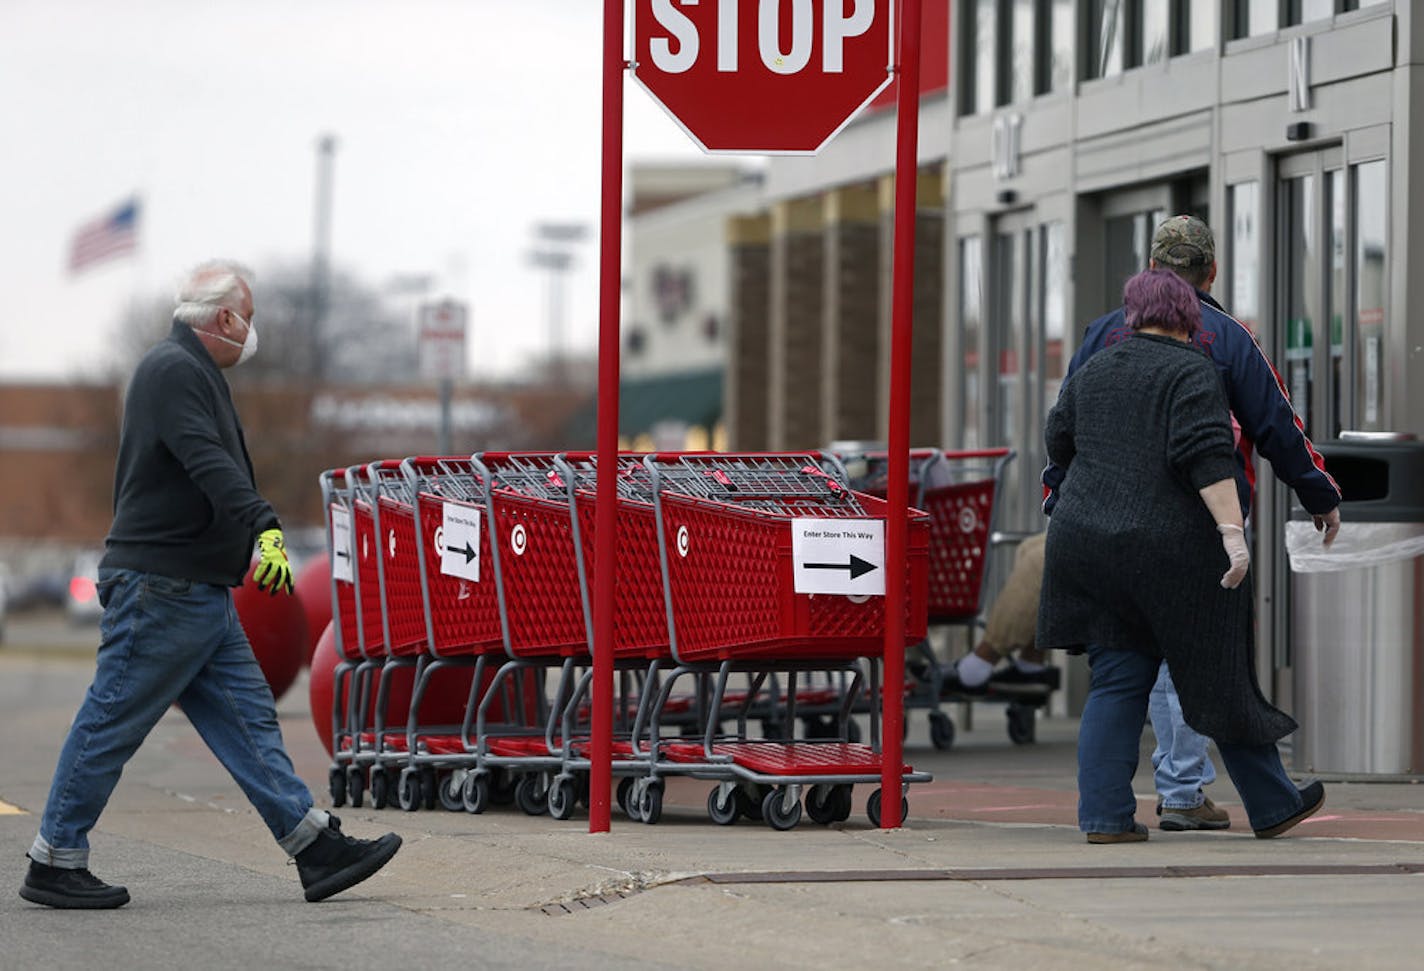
(460, 123)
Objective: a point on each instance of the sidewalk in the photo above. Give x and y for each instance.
(988, 872)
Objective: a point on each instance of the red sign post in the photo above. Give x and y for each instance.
(764, 76)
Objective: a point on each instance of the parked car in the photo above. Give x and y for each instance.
(81, 601)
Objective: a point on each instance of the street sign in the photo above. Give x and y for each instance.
(778, 77)
(459, 541)
(838, 556)
(440, 332)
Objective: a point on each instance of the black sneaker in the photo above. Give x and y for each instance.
(70, 889)
(335, 862)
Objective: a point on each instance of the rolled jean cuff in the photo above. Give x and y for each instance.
(306, 832)
(42, 852)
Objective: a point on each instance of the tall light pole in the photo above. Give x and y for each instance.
(321, 250)
(554, 252)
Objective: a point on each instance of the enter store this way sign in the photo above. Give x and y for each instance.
(765, 76)
(838, 556)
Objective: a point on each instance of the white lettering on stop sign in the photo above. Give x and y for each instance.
(836, 29)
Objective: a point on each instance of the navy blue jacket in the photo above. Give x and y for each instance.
(185, 502)
(1260, 406)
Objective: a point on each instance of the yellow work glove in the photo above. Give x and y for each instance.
(273, 572)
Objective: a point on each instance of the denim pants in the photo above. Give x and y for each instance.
(1110, 734)
(1180, 764)
(166, 641)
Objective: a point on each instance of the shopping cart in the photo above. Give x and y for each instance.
(741, 539)
(359, 630)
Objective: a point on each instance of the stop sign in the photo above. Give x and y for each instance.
(768, 76)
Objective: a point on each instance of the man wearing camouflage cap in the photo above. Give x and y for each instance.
(1262, 412)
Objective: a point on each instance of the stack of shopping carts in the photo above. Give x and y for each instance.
(749, 591)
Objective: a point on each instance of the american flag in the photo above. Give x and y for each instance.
(106, 237)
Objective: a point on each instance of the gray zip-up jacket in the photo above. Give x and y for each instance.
(185, 501)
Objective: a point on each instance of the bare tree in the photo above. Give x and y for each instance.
(362, 338)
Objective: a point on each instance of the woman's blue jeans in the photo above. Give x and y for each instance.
(1109, 740)
(166, 641)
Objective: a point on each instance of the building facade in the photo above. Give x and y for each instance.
(1067, 130)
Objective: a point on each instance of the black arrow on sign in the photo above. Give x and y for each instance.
(469, 551)
(857, 567)
(343, 553)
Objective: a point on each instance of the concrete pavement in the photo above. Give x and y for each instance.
(988, 872)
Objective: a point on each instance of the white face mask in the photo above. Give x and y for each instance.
(249, 343)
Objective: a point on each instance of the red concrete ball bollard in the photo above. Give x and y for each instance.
(320, 686)
(276, 628)
(314, 591)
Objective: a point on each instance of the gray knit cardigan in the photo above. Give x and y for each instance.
(1133, 559)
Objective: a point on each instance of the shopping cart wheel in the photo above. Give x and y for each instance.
(501, 789)
(429, 787)
(355, 785)
(450, 787)
(1022, 723)
(822, 804)
(408, 790)
(872, 808)
(625, 786)
(475, 792)
(336, 785)
(650, 807)
(530, 795)
(563, 796)
(381, 789)
(841, 799)
(749, 798)
(941, 730)
(723, 810)
(776, 811)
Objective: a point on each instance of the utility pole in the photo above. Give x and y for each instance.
(555, 254)
(321, 253)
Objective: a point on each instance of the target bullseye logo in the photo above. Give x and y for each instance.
(968, 519)
(684, 541)
(439, 537)
(518, 539)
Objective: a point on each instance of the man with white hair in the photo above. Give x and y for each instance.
(186, 515)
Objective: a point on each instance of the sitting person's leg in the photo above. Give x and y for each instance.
(1012, 622)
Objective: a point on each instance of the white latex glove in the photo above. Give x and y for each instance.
(1233, 540)
(1329, 524)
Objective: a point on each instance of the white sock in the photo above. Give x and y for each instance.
(973, 670)
(1027, 667)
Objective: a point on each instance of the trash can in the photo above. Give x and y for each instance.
(1357, 613)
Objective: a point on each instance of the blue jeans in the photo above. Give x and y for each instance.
(1109, 736)
(166, 641)
(1180, 765)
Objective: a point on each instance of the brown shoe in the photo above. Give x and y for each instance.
(1313, 796)
(1138, 834)
(1206, 816)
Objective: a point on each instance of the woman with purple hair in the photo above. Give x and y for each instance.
(1146, 559)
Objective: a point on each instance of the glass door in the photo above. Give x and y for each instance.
(1024, 331)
